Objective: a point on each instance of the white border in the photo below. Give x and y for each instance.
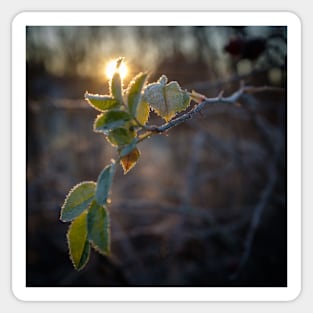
(18, 129)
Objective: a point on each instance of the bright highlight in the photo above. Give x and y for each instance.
(110, 69)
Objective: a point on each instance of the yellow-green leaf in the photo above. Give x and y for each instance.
(137, 108)
(143, 111)
(130, 160)
(98, 222)
(116, 88)
(79, 247)
(77, 200)
(101, 102)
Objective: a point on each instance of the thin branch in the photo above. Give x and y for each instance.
(232, 99)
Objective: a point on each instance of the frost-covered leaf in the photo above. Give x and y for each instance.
(110, 120)
(166, 99)
(116, 88)
(79, 247)
(77, 200)
(130, 160)
(104, 183)
(98, 222)
(137, 108)
(134, 92)
(101, 102)
(121, 136)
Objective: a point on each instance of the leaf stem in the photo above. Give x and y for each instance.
(145, 136)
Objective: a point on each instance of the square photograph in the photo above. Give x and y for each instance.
(205, 204)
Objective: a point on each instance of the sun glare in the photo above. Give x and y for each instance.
(110, 69)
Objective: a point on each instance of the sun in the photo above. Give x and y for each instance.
(110, 69)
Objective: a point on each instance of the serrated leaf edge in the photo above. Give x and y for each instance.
(69, 193)
(91, 96)
(163, 83)
(141, 75)
(69, 250)
(95, 246)
(117, 94)
(106, 132)
(111, 169)
(134, 164)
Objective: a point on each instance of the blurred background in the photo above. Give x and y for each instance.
(206, 203)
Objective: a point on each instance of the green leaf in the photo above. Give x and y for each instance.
(110, 120)
(130, 160)
(116, 88)
(77, 200)
(78, 244)
(101, 102)
(143, 111)
(98, 222)
(166, 100)
(137, 108)
(134, 92)
(121, 136)
(104, 183)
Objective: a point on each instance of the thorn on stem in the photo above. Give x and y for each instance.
(200, 113)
